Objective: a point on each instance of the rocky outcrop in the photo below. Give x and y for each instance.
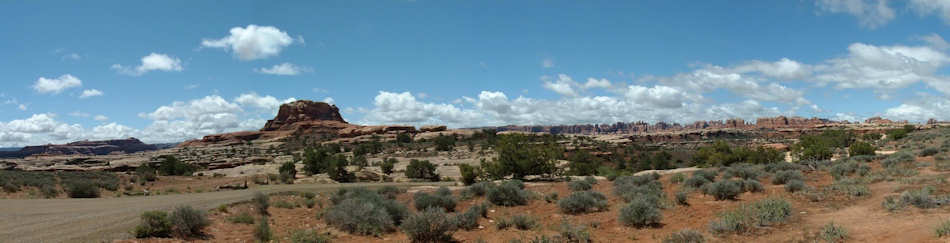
(302, 111)
(779, 122)
(432, 128)
(130, 145)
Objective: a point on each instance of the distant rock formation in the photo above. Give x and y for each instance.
(296, 112)
(779, 122)
(301, 118)
(130, 145)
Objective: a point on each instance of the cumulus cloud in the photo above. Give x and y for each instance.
(100, 118)
(253, 42)
(884, 68)
(563, 85)
(56, 85)
(928, 7)
(152, 62)
(266, 102)
(90, 93)
(921, 109)
(287, 69)
(870, 13)
(597, 83)
(749, 81)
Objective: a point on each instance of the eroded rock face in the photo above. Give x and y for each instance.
(302, 111)
(130, 145)
(779, 122)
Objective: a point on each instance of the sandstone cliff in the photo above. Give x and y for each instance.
(130, 145)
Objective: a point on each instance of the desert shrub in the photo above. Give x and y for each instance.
(929, 152)
(892, 203)
(681, 197)
(742, 171)
(721, 153)
(752, 186)
(943, 229)
(709, 175)
(444, 143)
(571, 233)
(171, 166)
(262, 231)
(794, 185)
(579, 185)
(833, 233)
(919, 198)
(49, 191)
(468, 220)
(785, 176)
(188, 222)
(843, 169)
(515, 182)
(480, 188)
(723, 190)
(421, 169)
(590, 180)
(685, 236)
(551, 197)
(765, 212)
(364, 212)
(863, 170)
(640, 213)
(308, 236)
(896, 159)
(469, 174)
(583, 202)
(423, 200)
(288, 172)
(507, 194)
(851, 187)
(632, 187)
(284, 204)
(81, 189)
(522, 155)
(429, 225)
(261, 202)
(696, 182)
(387, 165)
(153, 224)
(523, 222)
(678, 178)
(309, 202)
(389, 192)
(776, 167)
(860, 148)
(241, 218)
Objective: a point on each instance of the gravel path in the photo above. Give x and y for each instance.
(106, 219)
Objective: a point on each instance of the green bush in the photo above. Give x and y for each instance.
(261, 203)
(308, 236)
(860, 148)
(551, 197)
(171, 166)
(681, 197)
(285, 204)
(833, 233)
(742, 171)
(423, 200)
(752, 186)
(943, 229)
(387, 165)
(469, 174)
(929, 152)
(579, 185)
(188, 222)
(242, 218)
(444, 143)
(421, 169)
(765, 212)
(678, 178)
(403, 137)
(771, 211)
(568, 232)
(363, 212)
(723, 190)
(429, 225)
(590, 180)
(153, 224)
(288, 172)
(785, 176)
(523, 222)
(919, 198)
(389, 192)
(507, 194)
(794, 185)
(522, 155)
(685, 236)
(262, 231)
(645, 187)
(583, 202)
(892, 203)
(468, 220)
(82, 190)
(640, 213)
(897, 159)
(480, 188)
(696, 182)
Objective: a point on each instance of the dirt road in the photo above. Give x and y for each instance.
(105, 219)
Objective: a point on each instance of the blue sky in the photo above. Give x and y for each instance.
(175, 70)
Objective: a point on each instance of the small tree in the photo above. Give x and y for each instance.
(288, 172)
(403, 138)
(387, 165)
(519, 156)
(469, 174)
(444, 143)
(860, 148)
(421, 169)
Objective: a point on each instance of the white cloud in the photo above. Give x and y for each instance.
(261, 102)
(928, 7)
(547, 63)
(100, 118)
(288, 69)
(883, 68)
(782, 69)
(921, 109)
(749, 81)
(152, 62)
(72, 56)
(252, 42)
(90, 93)
(935, 41)
(597, 83)
(870, 13)
(56, 85)
(564, 85)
